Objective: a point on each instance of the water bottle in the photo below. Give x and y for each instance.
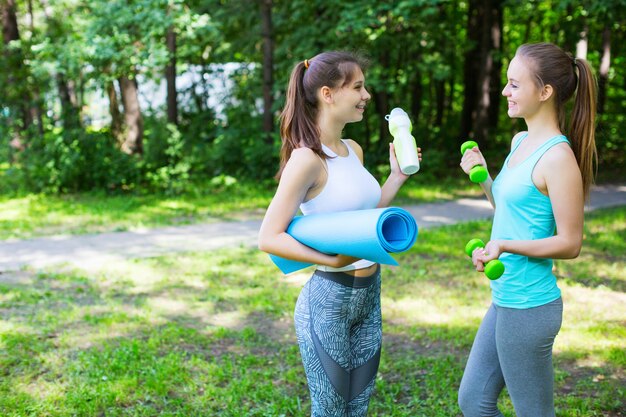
(404, 143)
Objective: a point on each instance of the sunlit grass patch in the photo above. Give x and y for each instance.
(41, 215)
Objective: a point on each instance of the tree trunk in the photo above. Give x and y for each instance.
(381, 103)
(605, 66)
(440, 93)
(10, 31)
(268, 68)
(133, 138)
(495, 85)
(35, 105)
(471, 67)
(170, 77)
(482, 69)
(116, 116)
(70, 114)
(417, 92)
(17, 77)
(70, 109)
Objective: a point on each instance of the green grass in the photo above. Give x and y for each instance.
(34, 215)
(212, 334)
(40, 215)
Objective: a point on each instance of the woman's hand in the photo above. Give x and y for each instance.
(342, 260)
(480, 256)
(471, 158)
(395, 166)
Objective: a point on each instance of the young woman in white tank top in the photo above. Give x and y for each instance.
(337, 317)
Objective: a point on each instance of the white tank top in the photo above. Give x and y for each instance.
(349, 186)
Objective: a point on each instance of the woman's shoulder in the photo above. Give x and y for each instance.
(355, 147)
(558, 161)
(304, 157)
(560, 152)
(352, 143)
(517, 137)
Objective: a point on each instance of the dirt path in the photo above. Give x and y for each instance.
(93, 250)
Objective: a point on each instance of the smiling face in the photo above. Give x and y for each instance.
(523, 95)
(351, 99)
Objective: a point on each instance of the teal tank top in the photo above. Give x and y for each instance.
(523, 213)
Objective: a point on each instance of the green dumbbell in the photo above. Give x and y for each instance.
(494, 268)
(478, 173)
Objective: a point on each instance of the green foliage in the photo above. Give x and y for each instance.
(74, 160)
(123, 36)
(416, 48)
(166, 163)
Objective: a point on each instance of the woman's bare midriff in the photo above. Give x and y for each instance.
(364, 272)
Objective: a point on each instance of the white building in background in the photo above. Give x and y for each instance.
(152, 95)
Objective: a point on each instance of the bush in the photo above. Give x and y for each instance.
(74, 160)
(166, 164)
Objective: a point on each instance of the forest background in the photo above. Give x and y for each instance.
(77, 92)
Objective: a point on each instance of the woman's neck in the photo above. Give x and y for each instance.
(543, 125)
(330, 130)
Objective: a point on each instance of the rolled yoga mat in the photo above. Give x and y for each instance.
(366, 234)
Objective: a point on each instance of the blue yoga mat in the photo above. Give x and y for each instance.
(366, 234)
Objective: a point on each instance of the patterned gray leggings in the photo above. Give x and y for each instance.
(339, 328)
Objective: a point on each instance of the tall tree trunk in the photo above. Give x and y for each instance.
(10, 31)
(17, 77)
(471, 67)
(268, 68)
(482, 69)
(114, 110)
(133, 139)
(35, 105)
(440, 94)
(605, 65)
(381, 103)
(170, 77)
(417, 92)
(495, 84)
(70, 108)
(70, 113)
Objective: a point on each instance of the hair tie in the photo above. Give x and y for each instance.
(306, 63)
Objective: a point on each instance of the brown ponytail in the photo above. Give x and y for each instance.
(557, 68)
(298, 120)
(582, 124)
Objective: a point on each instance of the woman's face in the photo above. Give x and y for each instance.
(521, 91)
(351, 99)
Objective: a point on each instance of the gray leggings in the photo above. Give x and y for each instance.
(513, 347)
(339, 327)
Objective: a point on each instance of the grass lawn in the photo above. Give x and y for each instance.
(33, 215)
(211, 334)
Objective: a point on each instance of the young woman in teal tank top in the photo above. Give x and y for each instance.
(538, 198)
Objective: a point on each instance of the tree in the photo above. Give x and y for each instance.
(170, 77)
(125, 40)
(18, 97)
(482, 69)
(59, 48)
(268, 68)
(133, 141)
